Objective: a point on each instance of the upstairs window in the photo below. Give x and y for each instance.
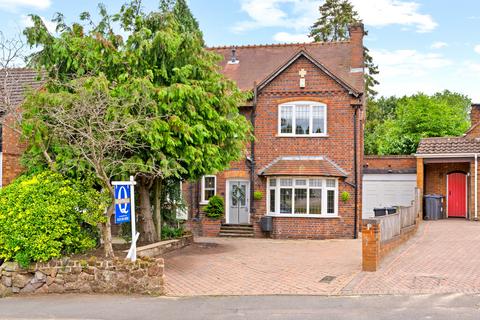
(302, 118)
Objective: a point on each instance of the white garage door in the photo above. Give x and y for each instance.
(387, 190)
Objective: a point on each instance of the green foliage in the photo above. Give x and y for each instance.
(258, 195)
(396, 125)
(215, 208)
(158, 63)
(335, 18)
(172, 232)
(45, 216)
(345, 196)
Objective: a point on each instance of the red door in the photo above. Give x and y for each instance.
(457, 195)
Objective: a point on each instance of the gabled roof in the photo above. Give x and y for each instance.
(19, 81)
(448, 145)
(258, 62)
(303, 166)
(303, 53)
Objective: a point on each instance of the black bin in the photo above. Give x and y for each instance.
(391, 210)
(266, 223)
(433, 208)
(380, 212)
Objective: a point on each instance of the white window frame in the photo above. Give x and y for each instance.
(324, 188)
(294, 104)
(203, 200)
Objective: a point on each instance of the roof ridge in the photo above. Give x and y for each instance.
(272, 45)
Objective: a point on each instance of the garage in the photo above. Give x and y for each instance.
(387, 190)
(387, 181)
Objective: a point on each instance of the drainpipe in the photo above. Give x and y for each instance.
(355, 164)
(476, 183)
(252, 149)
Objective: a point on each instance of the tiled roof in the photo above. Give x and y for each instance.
(256, 63)
(19, 81)
(303, 166)
(448, 145)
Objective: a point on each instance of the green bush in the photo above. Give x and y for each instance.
(258, 195)
(215, 207)
(45, 216)
(171, 232)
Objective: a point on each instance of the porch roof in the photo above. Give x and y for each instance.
(303, 166)
(448, 145)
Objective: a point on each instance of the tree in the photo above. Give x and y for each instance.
(421, 116)
(190, 126)
(335, 18)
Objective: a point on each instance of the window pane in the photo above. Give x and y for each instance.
(286, 182)
(301, 182)
(300, 200)
(209, 193)
(330, 201)
(315, 201)
(315, 182)
(318, 119)
(331, 183)
(273, 182)
(285, 200)
(302, 119)
(272, 200)
(210, 182)
(286, 122)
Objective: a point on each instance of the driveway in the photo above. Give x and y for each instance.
(443, 257)
(233, 266)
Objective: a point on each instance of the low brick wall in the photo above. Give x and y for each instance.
(211, 227)
(162, 247)
(118, 276)
(374, 250)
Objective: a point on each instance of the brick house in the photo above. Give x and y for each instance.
(307, 112)
(15, 83)
(449, 167)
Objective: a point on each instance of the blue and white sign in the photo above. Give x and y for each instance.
(123, 206)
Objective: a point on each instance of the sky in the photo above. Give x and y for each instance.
(419, 45)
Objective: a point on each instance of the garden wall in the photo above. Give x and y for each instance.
(145, 276)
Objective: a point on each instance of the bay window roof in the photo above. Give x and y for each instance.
(303, 166)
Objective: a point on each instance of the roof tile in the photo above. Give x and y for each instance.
(303, 166)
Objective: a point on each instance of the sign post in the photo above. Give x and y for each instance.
(125, 210)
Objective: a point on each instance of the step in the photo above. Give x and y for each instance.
(238, 225)
(237, 231)
(237, 228)
(236, 235)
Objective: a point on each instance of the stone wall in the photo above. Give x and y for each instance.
(145, 276)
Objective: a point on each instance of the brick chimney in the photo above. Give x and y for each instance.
(475, 113)
(357, 32)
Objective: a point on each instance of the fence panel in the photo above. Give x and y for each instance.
(390, 226)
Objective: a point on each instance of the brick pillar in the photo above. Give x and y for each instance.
(370, 245)
(475, 114)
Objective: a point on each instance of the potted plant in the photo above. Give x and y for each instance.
(214, 212)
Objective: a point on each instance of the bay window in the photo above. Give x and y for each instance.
(293, 196)
(302, 118)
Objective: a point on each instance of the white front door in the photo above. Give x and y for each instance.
(238, 202)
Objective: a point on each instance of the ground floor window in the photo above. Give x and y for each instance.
(209, 187)
(302, 196)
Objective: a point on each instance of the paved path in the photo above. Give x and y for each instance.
(438, 307)
(223, 266)
(444, 257)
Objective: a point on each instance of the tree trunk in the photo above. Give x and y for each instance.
(148, 234)
(158, 208)
(107, 233)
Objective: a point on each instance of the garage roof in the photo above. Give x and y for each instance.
(448, 145)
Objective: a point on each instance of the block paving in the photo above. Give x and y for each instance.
(443, 257)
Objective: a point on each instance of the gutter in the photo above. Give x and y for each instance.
(252, 149)
(355, 164)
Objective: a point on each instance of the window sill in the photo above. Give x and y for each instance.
(302, 136)
(316, 216)
(203, 203)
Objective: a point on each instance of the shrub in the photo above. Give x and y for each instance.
(345, 196)
(45, 216)
(215, 207)
(171, 232)
(258, 195)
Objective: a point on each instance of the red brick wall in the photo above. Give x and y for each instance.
(475, 114)
(402, 162)
(12, 151)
